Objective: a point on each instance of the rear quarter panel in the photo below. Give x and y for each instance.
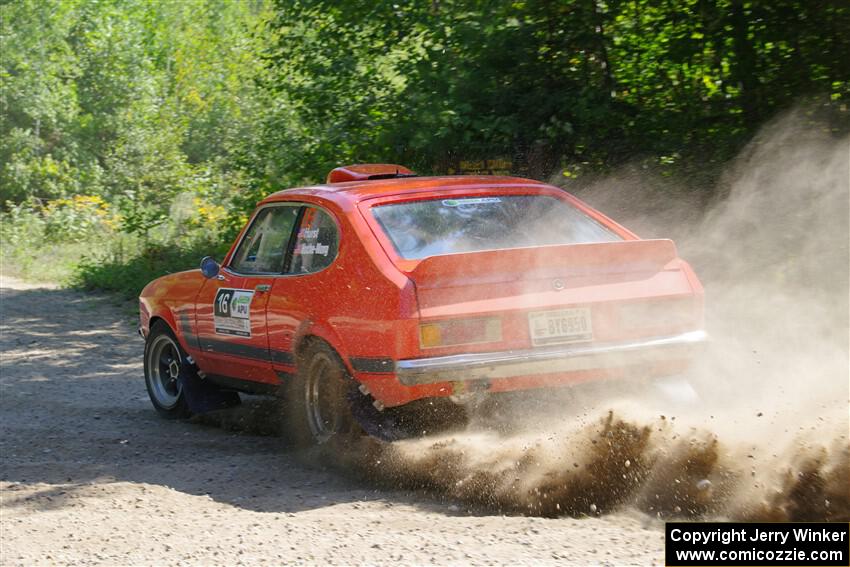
(356, 303)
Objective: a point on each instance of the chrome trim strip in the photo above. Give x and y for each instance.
(561, 358)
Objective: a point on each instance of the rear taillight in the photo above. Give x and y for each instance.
(460, 332)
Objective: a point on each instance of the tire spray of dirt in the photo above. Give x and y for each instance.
(768, 437)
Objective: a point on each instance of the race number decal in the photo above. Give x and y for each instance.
(232, 312)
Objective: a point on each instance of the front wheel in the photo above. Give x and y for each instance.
(316, 402)
(164, 361)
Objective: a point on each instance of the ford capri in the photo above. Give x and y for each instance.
(381, 290)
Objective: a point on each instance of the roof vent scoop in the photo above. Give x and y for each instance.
(368, 171)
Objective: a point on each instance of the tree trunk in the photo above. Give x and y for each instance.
(745, 68)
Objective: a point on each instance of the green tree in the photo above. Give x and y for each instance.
(546, 82)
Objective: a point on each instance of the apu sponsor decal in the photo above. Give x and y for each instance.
(232, 312)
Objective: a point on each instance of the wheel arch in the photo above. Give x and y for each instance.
(323, 333)
(156, 319)
(170, 321)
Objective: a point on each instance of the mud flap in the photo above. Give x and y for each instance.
(382, 425)
(202, 396)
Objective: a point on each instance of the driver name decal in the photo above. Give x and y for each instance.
(232, 312)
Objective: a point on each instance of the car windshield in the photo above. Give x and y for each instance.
(433, 227)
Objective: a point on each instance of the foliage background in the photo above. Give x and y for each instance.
(136, 135)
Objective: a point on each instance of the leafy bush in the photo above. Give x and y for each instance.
(46, 242)
(21, 225)
(77, 219)
(127, 274)
(80, 241)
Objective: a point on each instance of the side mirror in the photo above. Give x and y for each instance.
(209, 267)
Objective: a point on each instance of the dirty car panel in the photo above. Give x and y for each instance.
(424, 286)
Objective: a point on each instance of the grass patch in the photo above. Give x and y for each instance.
(128, 274)
(76, 243)
(120, 265)
(54, 263)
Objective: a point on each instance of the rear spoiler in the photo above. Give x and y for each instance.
(627, 256)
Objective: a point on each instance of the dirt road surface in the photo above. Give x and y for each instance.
(90, 475)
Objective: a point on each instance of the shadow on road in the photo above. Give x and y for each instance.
(74, 412)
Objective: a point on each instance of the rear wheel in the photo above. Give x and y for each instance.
(316, 405)
(164, 361)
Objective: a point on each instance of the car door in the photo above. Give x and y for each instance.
(231, 309)
(305, 286)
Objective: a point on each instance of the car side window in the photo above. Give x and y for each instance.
(316, 244)
(263, 248)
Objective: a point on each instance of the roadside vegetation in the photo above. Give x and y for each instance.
(136, 136)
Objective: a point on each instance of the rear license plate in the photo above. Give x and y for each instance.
(561, 326)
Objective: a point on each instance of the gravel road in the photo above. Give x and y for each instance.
(90, 475)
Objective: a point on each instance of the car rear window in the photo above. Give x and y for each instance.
(433, 227)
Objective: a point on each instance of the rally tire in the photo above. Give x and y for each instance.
(316, 407)
(165, 361)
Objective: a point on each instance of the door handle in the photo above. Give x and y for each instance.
(261, 288)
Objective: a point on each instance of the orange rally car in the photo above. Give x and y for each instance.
(381, 290)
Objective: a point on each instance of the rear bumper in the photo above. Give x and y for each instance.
(561, 358)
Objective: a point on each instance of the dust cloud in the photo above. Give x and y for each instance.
(767, 439)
